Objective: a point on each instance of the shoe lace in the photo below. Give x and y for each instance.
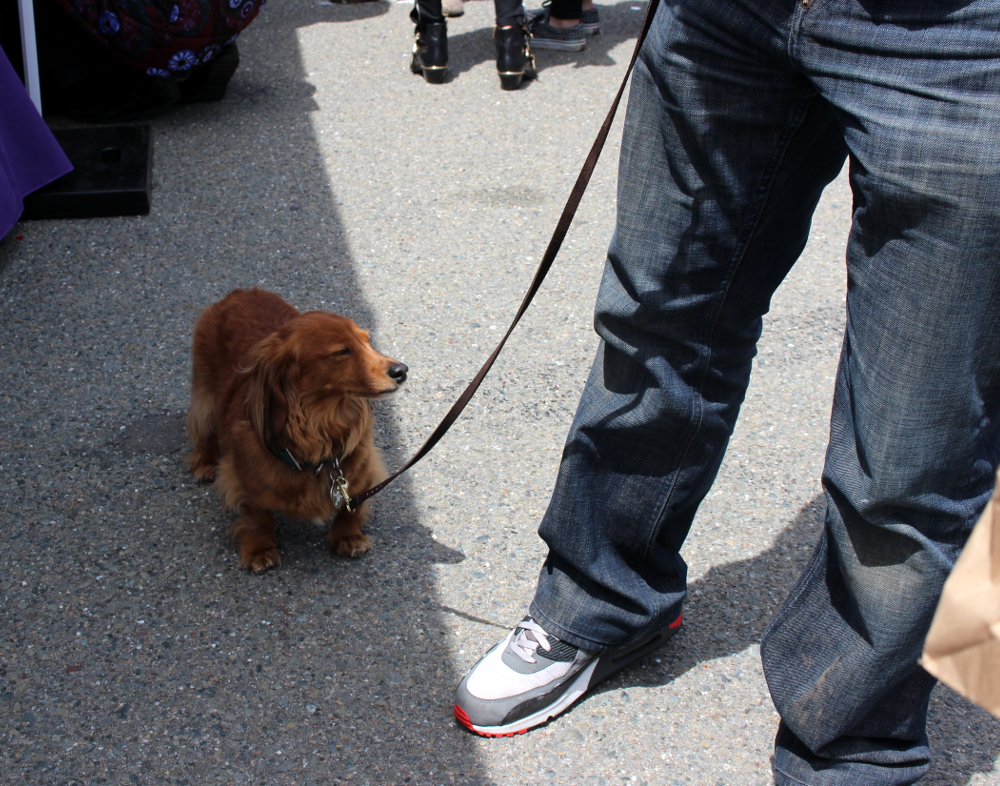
(528, 637)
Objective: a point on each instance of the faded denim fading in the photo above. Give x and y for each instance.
(740, 113)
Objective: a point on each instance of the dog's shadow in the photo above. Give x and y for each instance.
(303, 544)
(619, 23)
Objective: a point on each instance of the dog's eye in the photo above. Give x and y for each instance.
(340, 353)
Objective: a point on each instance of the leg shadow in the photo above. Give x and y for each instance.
(619, 23)
(728, 610)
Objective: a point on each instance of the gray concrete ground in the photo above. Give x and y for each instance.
(133, 649)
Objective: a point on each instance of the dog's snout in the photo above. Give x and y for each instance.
(397, 372)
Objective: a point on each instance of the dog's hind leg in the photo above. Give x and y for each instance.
(254, 533)
(204, 457)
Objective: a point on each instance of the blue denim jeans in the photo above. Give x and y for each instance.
(740, 112)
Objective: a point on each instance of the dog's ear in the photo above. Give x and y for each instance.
(273, 388)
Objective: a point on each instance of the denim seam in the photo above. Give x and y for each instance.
(786, 775)
(795, 32)
(762, 197)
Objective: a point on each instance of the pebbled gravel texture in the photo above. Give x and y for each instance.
(132, 648)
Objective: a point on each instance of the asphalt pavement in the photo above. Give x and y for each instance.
(133, 650)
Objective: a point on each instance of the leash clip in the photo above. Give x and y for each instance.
(339, 487)
(339, 494)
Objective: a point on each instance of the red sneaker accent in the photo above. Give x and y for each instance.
(463, 717)
(677, 622)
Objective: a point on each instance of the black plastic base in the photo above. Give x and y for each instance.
(112, 175)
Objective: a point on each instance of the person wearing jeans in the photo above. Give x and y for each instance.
(740, 113)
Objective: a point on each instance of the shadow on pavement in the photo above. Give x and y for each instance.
(728, 610)
(619, 23)
(132, 647)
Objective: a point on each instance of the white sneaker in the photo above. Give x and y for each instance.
(531, 676)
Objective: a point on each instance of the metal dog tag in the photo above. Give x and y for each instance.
(338, 491)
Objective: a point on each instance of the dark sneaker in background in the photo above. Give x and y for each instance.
(531, 676)
(590, 21)
(545, 36)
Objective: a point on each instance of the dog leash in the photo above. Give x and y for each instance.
(562, 227)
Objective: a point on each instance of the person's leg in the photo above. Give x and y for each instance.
(726, 150)
(508, 12)
(564, 13)
(515, 63)
(915, 428)
(427, 11)
(430, 41)
(725, 153)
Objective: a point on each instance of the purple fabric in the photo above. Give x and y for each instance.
(30, 157)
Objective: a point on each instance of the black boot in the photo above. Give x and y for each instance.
(430, 51)
(514, 59)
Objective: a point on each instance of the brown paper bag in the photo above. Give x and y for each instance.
(963, 645)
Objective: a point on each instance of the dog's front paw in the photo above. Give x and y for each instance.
(203, 465)
(205, 473)
(350, 545)
(260, 559)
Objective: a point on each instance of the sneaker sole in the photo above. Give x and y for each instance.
(562, 46)
(598, 671)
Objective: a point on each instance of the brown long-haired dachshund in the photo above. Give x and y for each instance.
(280, 418)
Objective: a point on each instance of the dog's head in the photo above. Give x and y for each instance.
(335, 359)
(317, 366)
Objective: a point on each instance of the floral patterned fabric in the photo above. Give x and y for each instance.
(164, 37)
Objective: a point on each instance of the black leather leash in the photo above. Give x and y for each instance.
(562, 226)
